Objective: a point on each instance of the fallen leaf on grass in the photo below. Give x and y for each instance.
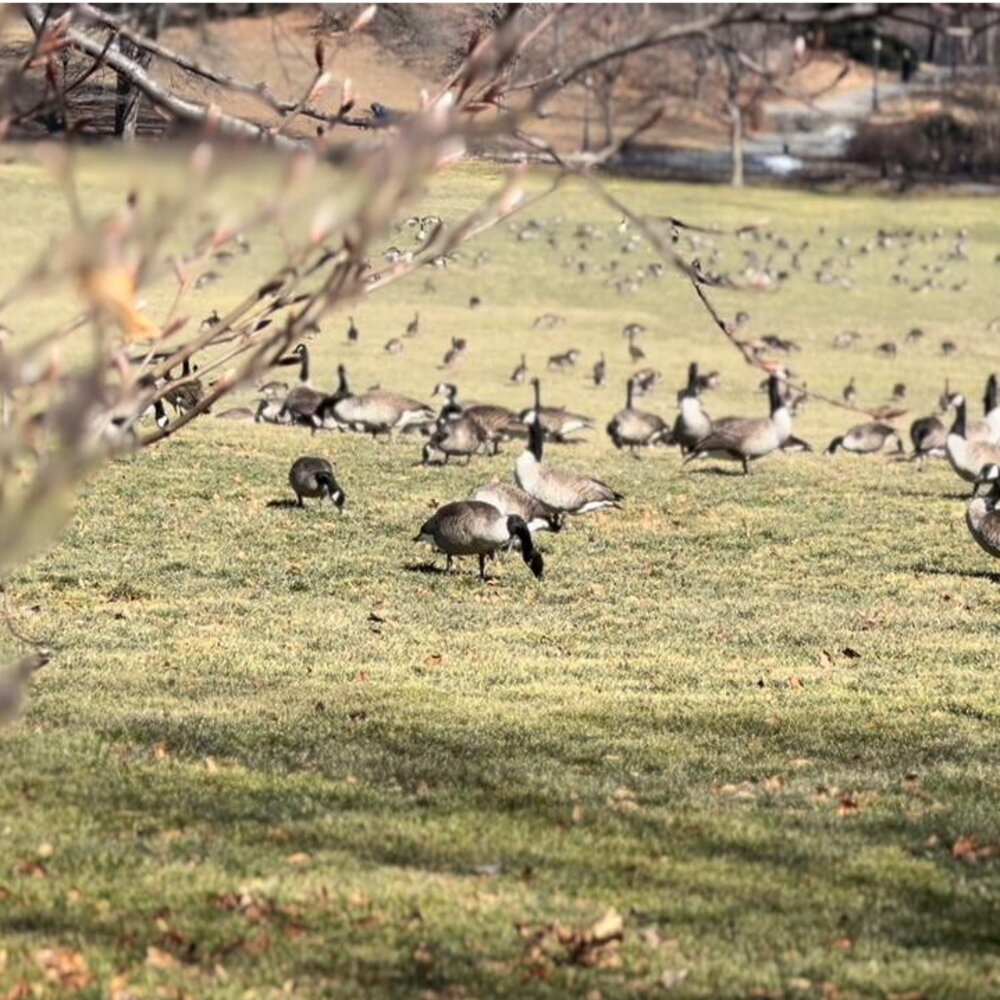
(825, 659)
(67, 969)
(623, 801)
(671, 979)
(842, 944)
(596, 947)
(299, 858)
(969, 850)
(433, 660)
(848, 805)
(909, 995)
(851, 654)
(156, 958)
(795, 682)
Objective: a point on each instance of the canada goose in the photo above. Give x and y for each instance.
(560, 489)
(454, 436)
(187, 391)
(274, 390)
(237, 413)
(967, 458)
(510, 499)
(270, 411)
(413, 327)
(633, 428)
(987, 429)
(380, 412)
(948, 347)
(353, 334)
(560, 362)
(914, 335)
(14, 681)
(928, 436)
(635, 352)
(866, 439)
(302, 402)
(632, 330)
(474, 528)
(394, 346)
(644, 380)
(981, 514)
(475, 301)
(313, 477)
(845, 339)
(556, 422)
(899, 392)
(160, 414)
(693, 423)
(494, 423)
(600, 372)
(887, 349)
(520, 373)
(850, 394)
(746, 439)
(457, 349)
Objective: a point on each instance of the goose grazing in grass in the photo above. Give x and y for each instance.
(455, 436)
(302, 402)
(981, 514)
(866, 439)
(968, 458)
(510, 499)
(353, 333)
(325, 410)
(495, 423)
(520, 373)
(474, 528)
(693, 423)
(631, 428)
(562, 490)
(747, 439)
(600, 372)
(561, 362)
(413, 327)
(313, 477)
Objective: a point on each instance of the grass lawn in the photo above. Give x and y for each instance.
(756, 717)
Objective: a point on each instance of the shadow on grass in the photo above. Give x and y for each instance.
(968, 574)
(429, 568)
(716, 471)
(927, 494)
(283, 504)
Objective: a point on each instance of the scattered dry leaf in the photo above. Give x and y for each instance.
(159, 959)
(969, 850)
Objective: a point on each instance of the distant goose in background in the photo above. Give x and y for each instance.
(353, 334)
(302, 402)
(866, 439)
(631, 428)
(238, 413)
(560, 489)
(693, 423)
(474, 528)
(313, 477)
(899, 392)
(510, 499)
(560, 362)
(270, 411)
(394, 346)
(747, 439)
(600, 372)
(967, 458)
(520, 373)
(845, 339)
(645, 380)
(413, 327)
(981, 514)
(325, 410)
(457, 349)
(850, 394)
(274, 390)
(887, 349)
(635, 352)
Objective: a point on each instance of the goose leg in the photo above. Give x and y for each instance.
(448, 563)
(298, 496)
(482, 567)
(746, 467)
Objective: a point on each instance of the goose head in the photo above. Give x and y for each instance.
(990, 397)
(834, 445)
(517, 528)
(446, 389)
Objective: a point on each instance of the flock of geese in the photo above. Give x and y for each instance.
(508, 515)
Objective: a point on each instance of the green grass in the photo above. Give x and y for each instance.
(274, 752)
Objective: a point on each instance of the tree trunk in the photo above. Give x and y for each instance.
(127, 97)
(586, 116)
(608, 109)
(736, 143)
